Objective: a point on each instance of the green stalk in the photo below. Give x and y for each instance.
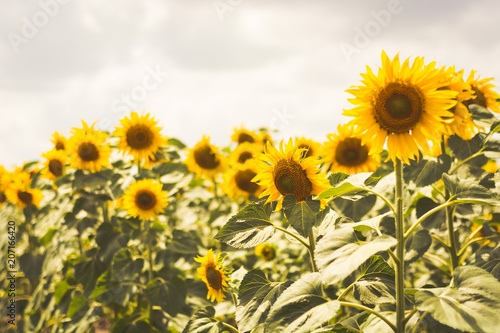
(312, 246)
(451, 232)
(400, 297)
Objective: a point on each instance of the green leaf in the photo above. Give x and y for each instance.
(164, 168)
(301, 215)
(465, 189)
(489, 261)
(426, 171)
(170, 295)
(481, 115)
(337, 177)
(78, 306)
(376, 284)
(125, 266)
(370, 224)
(301, 307)
(355, 209)
(373, 324)
(184, 242)
(417, 245)
(465, 148)
(256, 295)
(471, 305)
(177, 143)
(92, 180)
(354, 183)
(425, 204)
(248, 228)
(339, 253)
(87, 272)
(60, 289)
(203, 321)
(47, 238)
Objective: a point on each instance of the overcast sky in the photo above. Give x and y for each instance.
(205, 67)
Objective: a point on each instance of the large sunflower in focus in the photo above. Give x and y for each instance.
(283, 172)
(238, 181)
(485, 96)
(204, 159)
(345, 152)
(87, 148)
(55, 164)
(402, 104)
(145, 199)
(139, 136)
(213, 274)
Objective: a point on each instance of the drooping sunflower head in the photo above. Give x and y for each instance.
(55, 164)
(460, 123)
(144, 199)
(23, 195)
(282, 171)
(245, 152)
(139, 136)
(212, 273)
(88, 149)
(485, 95)
(345, 152)
(265, 251)
(243, 135)
(59, 141)
(204, 159)
(238, 181)
(402, 104)
(311, 147)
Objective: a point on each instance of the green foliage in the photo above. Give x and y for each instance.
(472, 304)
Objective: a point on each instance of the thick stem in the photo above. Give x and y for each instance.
(367, 309)
(451, 232)
(312, 246)
(400, 297)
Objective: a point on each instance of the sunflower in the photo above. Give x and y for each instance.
(344, 152)
(402, 105)
(59, 141)
(87, 148)
(139, 136)
(55, 164)
(243, 135)
(490, 166)
(283, 172)
(461, 122)
(245, 152)
(204, 159)
(311, 148)
(3, 198)
(213, 274)
(22, 195)
(238, 181)
(485, 96)
(265, 251)
(264, 136)
(145, 199)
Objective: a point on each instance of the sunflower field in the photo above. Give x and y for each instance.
(390, 225)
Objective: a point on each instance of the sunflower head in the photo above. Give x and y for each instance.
(245, 152)
(59, 141)
(139, 136)
(243, 135)
(144, 199)
(212, 273)
(485, 96)
(88, 149)
(310, 147)
(403, 105)
(282, 171)
(264, 136)
(345, 152)
(204, 159)
(265, 251)
(23, 195)
(490, 166)
(55, 164)
(238, 181)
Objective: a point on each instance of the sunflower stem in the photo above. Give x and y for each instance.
(400, 300)
(311, 248)
(450, 212)
(230, 327)
(139, 169)
(367, 309)
(215, 188)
